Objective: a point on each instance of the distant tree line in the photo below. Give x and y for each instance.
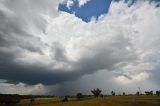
(8, 99)
(98, 93)
(13, 99)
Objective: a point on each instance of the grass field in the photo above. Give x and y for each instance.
(105, 101)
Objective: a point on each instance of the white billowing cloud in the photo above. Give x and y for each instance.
(143, 33)
(128, 33)
(133, 78)
(43, 45)
(124, 27)
(82, 2)
(23, 89)
(70, 3)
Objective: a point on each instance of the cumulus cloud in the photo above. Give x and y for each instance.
(70, 3)
(39, 44)
(82, 2)
(23, 89)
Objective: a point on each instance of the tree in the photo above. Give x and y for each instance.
(149, 92)
(137, 93)
(79, 96)
(65, 99)
(102, 95)
(96, 92)
(113, 93)
(124, 93)
(32, 100)
(158, 93)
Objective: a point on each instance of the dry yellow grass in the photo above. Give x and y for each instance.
(106, 101)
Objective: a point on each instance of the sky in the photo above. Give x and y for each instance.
(62, 47)
(92, 8)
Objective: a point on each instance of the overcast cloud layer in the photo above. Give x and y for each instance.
(39, 44)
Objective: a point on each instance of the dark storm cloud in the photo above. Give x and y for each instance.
(38, 73)
(15, 37)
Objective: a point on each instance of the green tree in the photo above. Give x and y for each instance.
(96, 92)
(113, 93)
(137, 93)
(32, 100)
(158, 93)
(65, 99)
(149, 92)
(124, 93)
(79, 96)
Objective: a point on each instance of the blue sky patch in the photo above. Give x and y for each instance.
(93, 8)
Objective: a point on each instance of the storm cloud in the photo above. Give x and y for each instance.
(39, 44)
